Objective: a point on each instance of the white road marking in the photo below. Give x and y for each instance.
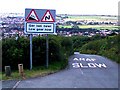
(81, 71)
(75, 87)
(16, 85)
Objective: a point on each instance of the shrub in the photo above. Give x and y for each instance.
(108, 47)
(15, 52)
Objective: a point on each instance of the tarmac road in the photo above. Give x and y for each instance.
(84, 71)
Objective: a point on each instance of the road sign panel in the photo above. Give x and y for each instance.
(32, 17)
(40, 21)
(42, 28)
(47, 17)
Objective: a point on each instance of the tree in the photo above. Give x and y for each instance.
(67, 44)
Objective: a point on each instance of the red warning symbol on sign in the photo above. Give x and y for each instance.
(32, 17)
(48, 17)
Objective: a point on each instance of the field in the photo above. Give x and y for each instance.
(92, 18)
(98, 27)
(95, 18)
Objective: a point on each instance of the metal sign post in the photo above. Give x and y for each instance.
(47, 50)
(30, 51)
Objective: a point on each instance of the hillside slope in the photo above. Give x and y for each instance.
(108, 47)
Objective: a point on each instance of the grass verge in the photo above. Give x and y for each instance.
(36, 71)
(0, 76)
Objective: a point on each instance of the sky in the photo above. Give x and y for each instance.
(98, 7)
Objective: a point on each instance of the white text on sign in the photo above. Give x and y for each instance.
(40, 28)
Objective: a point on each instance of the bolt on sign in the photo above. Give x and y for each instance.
(40, 21)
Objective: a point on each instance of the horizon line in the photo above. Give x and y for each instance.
(62, 14)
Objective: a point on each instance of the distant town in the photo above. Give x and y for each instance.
(12, 24)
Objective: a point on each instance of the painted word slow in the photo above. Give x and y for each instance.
(89, 65)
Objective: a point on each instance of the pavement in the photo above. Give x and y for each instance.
(9, 84)
(85, 71)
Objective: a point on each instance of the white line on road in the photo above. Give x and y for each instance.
(16, 85)
(81, 71)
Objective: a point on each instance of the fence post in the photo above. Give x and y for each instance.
(20, 68)
(7, 71)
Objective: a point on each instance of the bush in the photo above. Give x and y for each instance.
(15, 52)
(67, 45)
(108, 47)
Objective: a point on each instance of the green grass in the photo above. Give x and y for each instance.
(92, 18)
(95, 18)
(36, 71)
(0, 76)
(108, 47)
(65, 26)
(98, 27)
(84, 17)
